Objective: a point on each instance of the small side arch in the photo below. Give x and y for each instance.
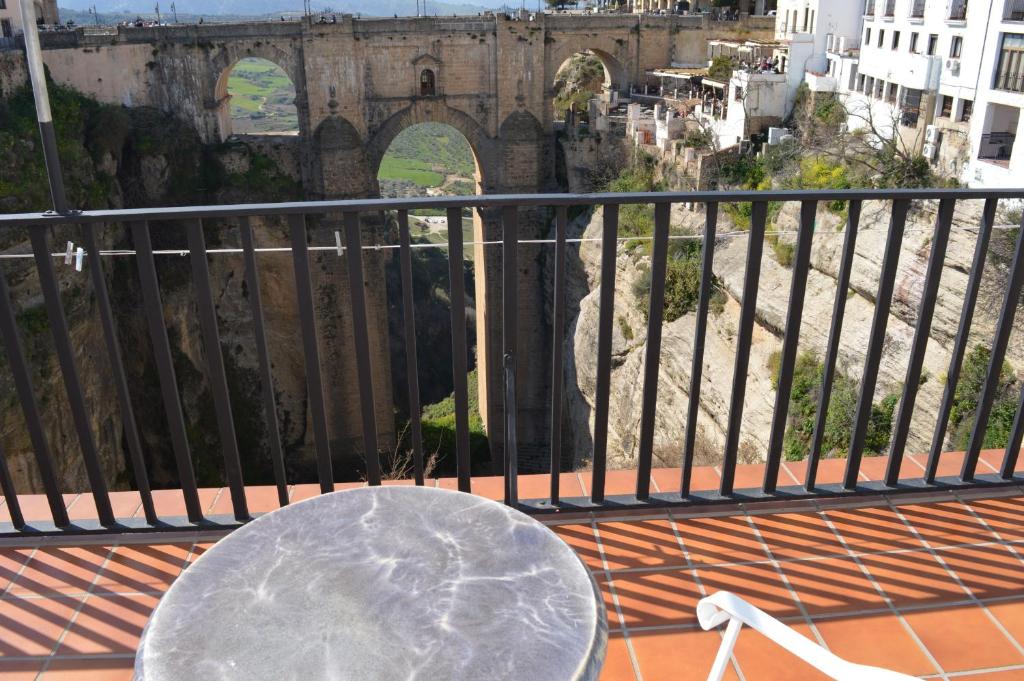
(342, 159)
(225, 63)
(616, 76)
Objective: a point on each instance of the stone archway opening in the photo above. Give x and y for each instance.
(257, 98)
(435, 159)
(581, 77)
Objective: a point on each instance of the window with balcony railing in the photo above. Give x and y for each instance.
(1010, 71)
(869, 8)
(917, 9)
(1014, 10)
(890, 8)
(957, 10)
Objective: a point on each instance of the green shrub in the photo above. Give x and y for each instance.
(965, 401)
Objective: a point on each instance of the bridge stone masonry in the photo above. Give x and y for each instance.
(359, 83)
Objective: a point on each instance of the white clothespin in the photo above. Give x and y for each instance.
(337, 242)
(68, 253)
(79, 257)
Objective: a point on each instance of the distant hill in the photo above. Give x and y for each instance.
(120, 10)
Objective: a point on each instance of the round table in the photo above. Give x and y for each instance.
(381, 583)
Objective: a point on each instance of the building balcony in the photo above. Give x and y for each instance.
(1014, 10)
(957, 11)
(908, 560)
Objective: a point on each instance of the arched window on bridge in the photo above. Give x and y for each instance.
(261, 99)
(428, 87)
(580, 78)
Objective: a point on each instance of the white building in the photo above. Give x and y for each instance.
(947, 75)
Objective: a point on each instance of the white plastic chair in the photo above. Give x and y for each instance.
(728, 607)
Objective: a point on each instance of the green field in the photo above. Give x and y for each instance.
(262, 98)
(413, 170)
(430, 155)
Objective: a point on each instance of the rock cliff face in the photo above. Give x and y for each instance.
(629, 334)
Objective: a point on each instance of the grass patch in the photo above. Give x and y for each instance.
(412, 170)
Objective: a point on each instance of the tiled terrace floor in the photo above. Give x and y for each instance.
(930, 589)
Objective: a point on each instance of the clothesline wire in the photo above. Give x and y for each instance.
(444, 245)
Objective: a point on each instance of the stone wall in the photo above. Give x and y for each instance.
(13, 71)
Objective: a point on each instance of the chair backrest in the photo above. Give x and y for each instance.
(724, 606)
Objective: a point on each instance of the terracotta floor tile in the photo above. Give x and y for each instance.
(312, 489)
(949, 465)
(988, 571)
(32, 626)
(749, 476)
(105, 625)
(143, 567)
(123, 504)
(720, 540)
(876, 528)
(657, 598)
(1004, 516)
(34, 507)
(946, 523)
(762, 659)
(490, 487)
(832, 586)
(876, 640)
(19, 670)
(991, 461)
(259, 498)
(963, 638)
(643, 543)
(614, 621)
(913, 578)
(830, 471)
(583, 541)
(171, 502)
(1011, 615)
(617, 665)
(198, 550)
(797, 535)
(60, 570)
(1006, 675)
(539, 486)
(759, 585)
(677, 655)
(11, 561)
(702, 479)
(616, 482)
(103, 669)
(873, 467)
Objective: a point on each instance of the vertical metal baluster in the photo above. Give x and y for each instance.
(652, 353)
(215, 367)
(459, 370)
(411, 370)
(963, 333)
(151, 300)
(758, 218)
(557, 339)
(609, 248)
(790, 343)
(124, 398)
(883, 301)
(69, 373)
(940, 240)
(252, 283)
(311, 351)
(1013, 446)
(361, 339)
(509, 332)
(10, 494)
(995, 365)
(700, 332)
(26, 395)
(832, 351)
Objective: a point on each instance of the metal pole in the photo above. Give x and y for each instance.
(37, 76)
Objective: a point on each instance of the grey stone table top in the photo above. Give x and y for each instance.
(381, 583)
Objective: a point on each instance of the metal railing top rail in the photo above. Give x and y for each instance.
(497, 200)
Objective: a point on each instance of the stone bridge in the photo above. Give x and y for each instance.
(360, 82)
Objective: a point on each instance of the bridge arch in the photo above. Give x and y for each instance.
(432, 111)
(226, 61)
(616, 73)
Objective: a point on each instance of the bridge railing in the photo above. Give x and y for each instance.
(196, 223)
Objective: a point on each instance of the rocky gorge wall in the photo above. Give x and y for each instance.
(629, 330)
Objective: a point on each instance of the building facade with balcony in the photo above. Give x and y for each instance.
(12, 21)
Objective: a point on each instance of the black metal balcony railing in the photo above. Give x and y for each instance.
(917, 9)
(957, 10)
(1014, 10)
(142, 221)
(996, 146)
